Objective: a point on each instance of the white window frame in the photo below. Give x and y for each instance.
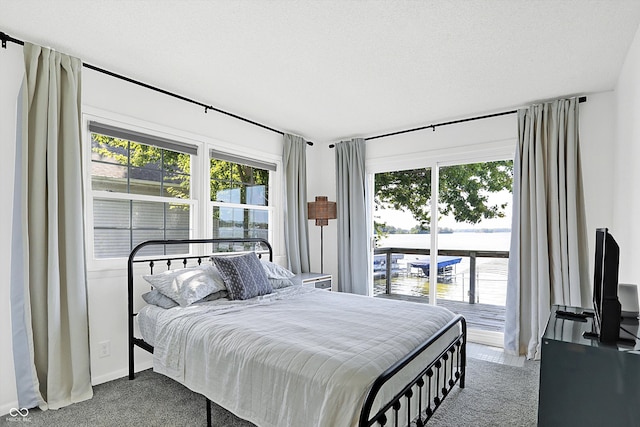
(275, 188)
(134, 125)
(435, 159)
(201, 206)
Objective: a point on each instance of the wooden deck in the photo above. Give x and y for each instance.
(485, 317)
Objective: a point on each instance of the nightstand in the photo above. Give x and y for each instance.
(317, 280)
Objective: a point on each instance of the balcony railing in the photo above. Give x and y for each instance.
(473, 255)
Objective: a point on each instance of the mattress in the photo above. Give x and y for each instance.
(298, 356)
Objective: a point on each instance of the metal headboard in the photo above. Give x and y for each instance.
(168, 260)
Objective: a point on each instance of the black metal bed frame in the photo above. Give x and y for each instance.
(435, 381)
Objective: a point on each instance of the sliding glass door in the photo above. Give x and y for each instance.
(456, 218)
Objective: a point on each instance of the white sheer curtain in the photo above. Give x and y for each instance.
(548, 257)
(296, 227)
(48, 272)
(353, 219)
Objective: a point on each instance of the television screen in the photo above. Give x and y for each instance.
(605, 287)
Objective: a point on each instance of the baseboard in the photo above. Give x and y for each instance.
(5, 408)
(121, 373)
(494, 339)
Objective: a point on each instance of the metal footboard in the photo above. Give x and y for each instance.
(434, 382)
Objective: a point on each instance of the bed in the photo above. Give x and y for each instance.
(295, 355)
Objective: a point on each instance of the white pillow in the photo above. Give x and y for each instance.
(280, 283)
(154, 297)
(275, 271)
(187, 285)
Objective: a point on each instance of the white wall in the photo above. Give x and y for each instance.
(597, 124)
(321, 181)
(107, 287)
(626, 173)
(486, 140)
(609, 191)
(495, 137)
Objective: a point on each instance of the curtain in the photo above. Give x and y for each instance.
(353, 235)
(296, 227)
(548, 257)
(48, 274)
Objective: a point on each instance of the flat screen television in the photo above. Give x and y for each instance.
(607, 308)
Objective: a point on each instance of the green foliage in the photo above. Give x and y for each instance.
(226, 176)
(175, 167)
(156, 171)
(464, 191)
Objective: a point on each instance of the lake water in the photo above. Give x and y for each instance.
(491, 273)
(456, 240)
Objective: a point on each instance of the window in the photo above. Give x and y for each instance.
(144, 186)
(239, 195)
(142, 189)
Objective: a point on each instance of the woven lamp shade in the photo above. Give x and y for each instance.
(322, 210)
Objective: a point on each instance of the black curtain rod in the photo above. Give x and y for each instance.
(7, 38)
(453, 122)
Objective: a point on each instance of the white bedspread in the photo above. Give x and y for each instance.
(297, 357)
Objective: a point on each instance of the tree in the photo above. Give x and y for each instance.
(175, 168)
(237, 183)
(168, 172)
(172, 169)
(464, 191)
(225, 175)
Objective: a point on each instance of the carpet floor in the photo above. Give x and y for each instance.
(495, 395)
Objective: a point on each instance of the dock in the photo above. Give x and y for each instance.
(469, 282)
(486, 317)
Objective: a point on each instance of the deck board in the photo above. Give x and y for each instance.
(486, 317)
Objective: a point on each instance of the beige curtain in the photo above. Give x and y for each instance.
(548, 257)
(49, 295)
(352, 203)
(296, 228)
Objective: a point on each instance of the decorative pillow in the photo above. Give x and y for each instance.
(243, 275)
(275, 271)
(187, 285)
(156, 298)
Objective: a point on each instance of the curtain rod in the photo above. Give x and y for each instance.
(453, 122)
(7, 38)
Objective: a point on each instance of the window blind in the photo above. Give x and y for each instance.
(131, 135)
(220, 155)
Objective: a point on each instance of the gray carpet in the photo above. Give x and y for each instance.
(495, 395)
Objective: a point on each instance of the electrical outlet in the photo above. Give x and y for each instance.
(105, 349)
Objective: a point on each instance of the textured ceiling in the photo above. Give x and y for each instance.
(336, 69)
